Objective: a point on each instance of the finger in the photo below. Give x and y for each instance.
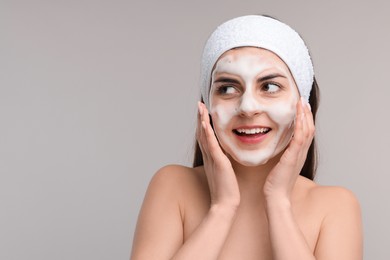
(297, 150)
(300, 121)
(206, 118)
(308, 126)
(201, 134)
(292, 156)
(310, 120)
(303, 106)
(297, 140)
(214, 148)
(198, 122)
(205, 114)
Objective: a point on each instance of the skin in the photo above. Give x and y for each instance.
(227, 210)
(273, 100)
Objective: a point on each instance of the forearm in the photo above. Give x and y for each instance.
(207, 240)
(287, 239)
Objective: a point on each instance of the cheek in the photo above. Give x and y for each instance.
(282, 114)
(222, 115)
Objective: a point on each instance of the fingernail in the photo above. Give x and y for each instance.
(308, 105)
(303, 101)
(204, 125)
(199, 108)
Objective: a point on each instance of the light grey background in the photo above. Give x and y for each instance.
(95, 96)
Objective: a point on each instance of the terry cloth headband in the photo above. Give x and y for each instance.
(263, 32)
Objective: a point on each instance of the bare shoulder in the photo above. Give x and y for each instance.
(335, 195)
(340, 207)
(174, 174)
(159, 231)
(330, 197)
(340, 229)
(178, 180)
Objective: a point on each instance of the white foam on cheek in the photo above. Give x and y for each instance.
(223, 115)
(283, 114)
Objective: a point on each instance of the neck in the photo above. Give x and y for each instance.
(251, 179)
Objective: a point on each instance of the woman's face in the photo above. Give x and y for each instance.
(253, 100)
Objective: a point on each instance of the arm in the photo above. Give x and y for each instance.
(207, 240)
(159, 230)
(287, 240)
(159, 233)
(340, 236)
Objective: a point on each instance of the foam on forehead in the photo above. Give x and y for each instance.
(263, 32)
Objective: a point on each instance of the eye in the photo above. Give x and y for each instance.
(226, 90)
(271, 87)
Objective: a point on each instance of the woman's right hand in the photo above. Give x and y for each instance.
(221, 178)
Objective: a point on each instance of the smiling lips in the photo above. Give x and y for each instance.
(251, 135)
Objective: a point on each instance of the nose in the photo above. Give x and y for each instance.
(249, 106)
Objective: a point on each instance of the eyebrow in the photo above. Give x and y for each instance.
(234, 81)
(226, 80)
(271, 76)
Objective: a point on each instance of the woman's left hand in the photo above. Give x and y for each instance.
(281, 180)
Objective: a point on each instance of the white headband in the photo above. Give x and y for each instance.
(263, 32)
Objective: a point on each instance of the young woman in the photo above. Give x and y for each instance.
(250, 194)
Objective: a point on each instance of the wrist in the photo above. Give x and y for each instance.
(227, 210)
(230, 204)
(278, 203)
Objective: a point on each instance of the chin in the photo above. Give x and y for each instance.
(251, 162)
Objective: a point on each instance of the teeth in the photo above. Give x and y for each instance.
(252, 131)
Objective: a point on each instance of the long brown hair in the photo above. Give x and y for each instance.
(310, 166)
